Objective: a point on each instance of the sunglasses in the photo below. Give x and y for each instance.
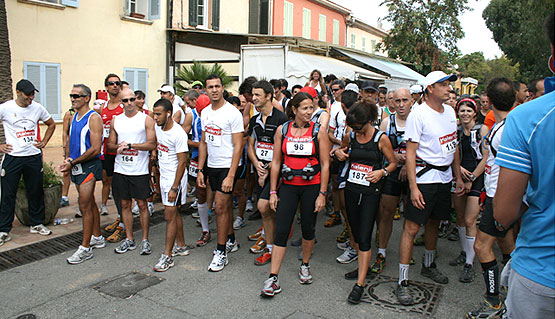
(132, 99)
(335, 90)
(197, 87)
(76, 96)
(118, 83)
(357, 128)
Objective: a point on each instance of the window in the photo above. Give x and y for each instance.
(138, 80)
(258, 16)
(353, 41)
(373, 46)
(67, 3)
(142, 9)
(306, 23)
(287, 18)
(198, 14)
(322, 28)
(335, 31)
(363, 44)
(46, 78)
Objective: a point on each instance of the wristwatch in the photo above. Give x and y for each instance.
(472, 177)
(200, 170)
(324, 193)
(129, 146)
(175, 189)
(386, 172)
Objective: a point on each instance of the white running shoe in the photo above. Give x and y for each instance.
(349, 255)
(305, 277)
(40, 229)
(180, 251)
(97, 242)
(103, 210)
(231, 247)
(150, 208)
(194, 205)
(238, 223)
(4, 237)
(80, 255)
(249, 207)
(164, 263)
(136, 210)
(219, 261)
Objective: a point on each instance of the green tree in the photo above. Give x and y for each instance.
(518, 29)
(5, 63)
(476, 66)
(199, 72)
(425, 32)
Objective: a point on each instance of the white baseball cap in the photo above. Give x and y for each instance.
(353, 87)
(167, 88)
(438, 76)
(417, 88)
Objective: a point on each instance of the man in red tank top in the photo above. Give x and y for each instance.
(108, 111)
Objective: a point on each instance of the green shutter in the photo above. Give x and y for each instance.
(193, 15)
(216, 15)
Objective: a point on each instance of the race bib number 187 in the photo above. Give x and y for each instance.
(358, 173)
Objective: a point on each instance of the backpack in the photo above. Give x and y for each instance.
(475, 140)
(315, 130)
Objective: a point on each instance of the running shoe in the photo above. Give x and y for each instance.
(145, 247)
(259, 246)
(443, 229)
(82, 254)
(231, 247)
(192, 191)
(219, 261)
(150, 208)
(180, 251)
(125, 246)
(344, 236)
(397, 216)
(64, 202)
(434, 274)
(238, 223)
(271, 287)
(164, 263)
(249, 207)
(103, 210)
(343, 246)
(235, 203)
(194, 205)
(356, 294)
(255, 216)
(305, 277)
(454, 235)
(334, 220)
(419, 241)
(459, 260)
(297, 242)
(348, 256)
(4, 237)
(112, 227)
(204, 239)
(378, 266)
(258, 233)
(403, 294)
(117, 236)
(195, 215)
(136, 211)
(265, 258)
(467, 274)
(78, 214)
(40, 229)
(97, 242)
(488, 310)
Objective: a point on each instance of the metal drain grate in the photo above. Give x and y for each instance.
(381, 292)
(55, 246)
(127, 285)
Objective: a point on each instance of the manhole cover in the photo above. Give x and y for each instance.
(27, 316)
(381, 292)
(127, 285)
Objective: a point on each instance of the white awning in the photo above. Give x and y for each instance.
(187, 53)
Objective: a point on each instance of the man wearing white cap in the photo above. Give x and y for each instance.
(432, 151)
(183, 117)
(416, 93)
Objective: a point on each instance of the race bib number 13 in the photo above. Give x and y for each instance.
(213, 136)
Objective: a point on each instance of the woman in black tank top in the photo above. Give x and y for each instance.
(367, 149)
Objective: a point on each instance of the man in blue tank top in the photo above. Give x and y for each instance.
(85, 141)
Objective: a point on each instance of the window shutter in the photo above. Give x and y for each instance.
(142, 82)
(193, 14)
(154, 10)
(71, 3)
(32, 73)
(254, 16)
(216, 15)
(51, 89)
(129, 76)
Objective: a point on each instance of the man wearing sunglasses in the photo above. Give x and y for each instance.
(23, 155)
(108, 111)
(132, 135)
(83, 163)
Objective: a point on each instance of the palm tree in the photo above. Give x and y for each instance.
(5, 63)
(199, 72)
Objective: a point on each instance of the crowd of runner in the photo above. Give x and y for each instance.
(355, 149)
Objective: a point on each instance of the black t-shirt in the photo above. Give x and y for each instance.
(480, 118)
(265, 132)
(468, 159)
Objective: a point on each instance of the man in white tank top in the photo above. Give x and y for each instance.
(132, 135)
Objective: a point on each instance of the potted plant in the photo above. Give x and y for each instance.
(52, 185)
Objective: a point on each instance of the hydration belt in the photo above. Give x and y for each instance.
(307, 173)
(428, 167)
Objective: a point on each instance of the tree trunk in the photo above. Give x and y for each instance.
(5, 63)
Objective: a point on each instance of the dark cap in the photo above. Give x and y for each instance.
(26, 87)
(369, 85)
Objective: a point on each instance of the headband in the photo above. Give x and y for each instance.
(475, 107)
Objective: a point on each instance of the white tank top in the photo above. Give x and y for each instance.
(131, 130)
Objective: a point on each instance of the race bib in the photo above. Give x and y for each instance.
(163, 151)
(77, 169)
(488, 169)
(299, 148)
(106, 130)
(213, 136)
(264, 151)
(448, 144)
(358, 174)
(129, 157)
(25, 138)
(193, 168)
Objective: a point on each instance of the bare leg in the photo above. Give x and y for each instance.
(179, 235)
(127, 218)
(278, 253)
(170, 214)
(144, 218)
(268, 220)
(363, 264)
(430, 234)
(307, 250)
(410, 230)
(106, 185)
(388, 204)
(85, 196)
(224, 215)
(239, 192)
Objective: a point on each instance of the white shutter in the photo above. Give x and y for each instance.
(142, 82)
(335, 31)
(51, 89)
(71, 3)
(129, 76)
(322, 25)
(32, 73)
(154, 9)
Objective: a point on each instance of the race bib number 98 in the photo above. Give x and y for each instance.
(299, 148)
(448, 144)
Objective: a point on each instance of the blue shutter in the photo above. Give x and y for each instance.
(154, 9)
(71, 3)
